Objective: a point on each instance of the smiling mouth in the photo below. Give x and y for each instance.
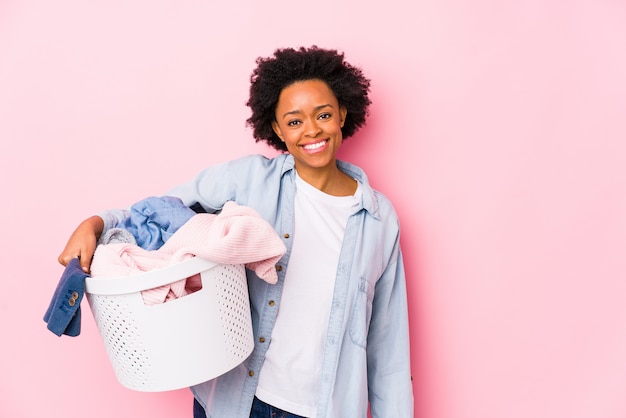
(315, 146)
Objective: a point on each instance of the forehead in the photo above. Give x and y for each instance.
(308, 92)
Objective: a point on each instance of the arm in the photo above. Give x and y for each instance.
(82, 242)
(388, 352)
(211, 189)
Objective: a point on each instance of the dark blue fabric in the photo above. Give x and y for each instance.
(259, 410)
(198, 410)
(154, 220)
(63, 314)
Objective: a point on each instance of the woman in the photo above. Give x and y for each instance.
(331, 336)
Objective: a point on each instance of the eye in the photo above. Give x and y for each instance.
(324, 116)
(294, 122)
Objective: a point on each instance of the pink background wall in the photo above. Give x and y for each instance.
(497, 129)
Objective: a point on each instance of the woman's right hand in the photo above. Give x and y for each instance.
(82, 242)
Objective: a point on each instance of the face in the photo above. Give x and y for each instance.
(309, 121)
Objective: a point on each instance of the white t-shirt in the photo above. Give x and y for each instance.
(290, 376)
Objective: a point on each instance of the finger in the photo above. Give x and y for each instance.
(84, 262)
(64, 259)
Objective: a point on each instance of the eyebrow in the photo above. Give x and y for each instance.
(316, 109)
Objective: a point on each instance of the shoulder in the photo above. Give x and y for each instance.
(254, 162)
(385, 211)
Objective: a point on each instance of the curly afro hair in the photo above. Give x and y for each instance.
(288, 66)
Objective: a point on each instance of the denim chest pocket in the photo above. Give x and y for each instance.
(361, 314)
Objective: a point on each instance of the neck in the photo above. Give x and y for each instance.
(331, 181)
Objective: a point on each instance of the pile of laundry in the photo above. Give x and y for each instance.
(160, 232)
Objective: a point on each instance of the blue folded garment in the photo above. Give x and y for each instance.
(154, 220)
(63, 314)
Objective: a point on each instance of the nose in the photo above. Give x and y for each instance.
(312, 128)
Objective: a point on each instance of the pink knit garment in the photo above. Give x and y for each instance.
(238, 235)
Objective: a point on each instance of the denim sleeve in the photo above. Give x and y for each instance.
(113, 218)
(388, 352)
(210, 189)
(252, 180)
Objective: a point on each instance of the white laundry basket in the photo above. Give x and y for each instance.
(179, 343)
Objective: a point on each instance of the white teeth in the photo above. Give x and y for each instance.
(314, 146)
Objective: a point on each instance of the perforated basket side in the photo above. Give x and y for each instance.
(181, 342)
(234, 307)
(122, 338)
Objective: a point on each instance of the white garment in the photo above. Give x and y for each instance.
(289, 379)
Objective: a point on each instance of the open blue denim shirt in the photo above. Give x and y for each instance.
(366, 353)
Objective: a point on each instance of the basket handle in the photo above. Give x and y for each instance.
(149, 279)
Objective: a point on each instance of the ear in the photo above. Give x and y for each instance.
(277, 130)
(342, 113)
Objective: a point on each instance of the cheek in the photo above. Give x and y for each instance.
(338, 129)
(289, 136)
(288, 141)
